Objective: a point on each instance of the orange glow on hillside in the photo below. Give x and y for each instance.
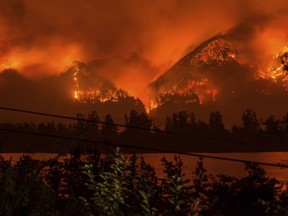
(10, 63)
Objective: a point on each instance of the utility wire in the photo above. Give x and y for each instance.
(105, 123)
(143, 148)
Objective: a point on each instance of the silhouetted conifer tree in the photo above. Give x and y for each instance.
(216, 122)
(92, 124)
(250, 121)
(179, 122)
(109, 130)
(285, 124)
(272, 126)
(138, 120)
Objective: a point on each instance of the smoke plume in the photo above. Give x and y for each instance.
(131, 41)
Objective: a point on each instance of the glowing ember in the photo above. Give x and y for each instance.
(212, 93)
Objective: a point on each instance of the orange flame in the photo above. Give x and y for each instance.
(194, 92)
(277, 71)
(99, 93)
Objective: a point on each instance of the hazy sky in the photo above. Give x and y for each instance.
(132, 39)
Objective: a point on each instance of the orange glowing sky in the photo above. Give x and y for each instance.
(133, 41)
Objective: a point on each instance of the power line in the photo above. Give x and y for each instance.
(105, 123)
(143, 148)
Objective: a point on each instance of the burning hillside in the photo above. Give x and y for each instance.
(213, 70)
(90, 88)
(216, 51)
(188, 80)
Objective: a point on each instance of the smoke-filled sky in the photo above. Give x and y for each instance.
(134, 40)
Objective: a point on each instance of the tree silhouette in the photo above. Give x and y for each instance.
(109, 130)
(216, 122)
(80, 125)
(250, 121)
(272, 126)
(202, 128)
(179, 122)
(285, 123)
(92, 125)
(136, 119)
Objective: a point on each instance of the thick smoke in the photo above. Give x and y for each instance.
(132, 41)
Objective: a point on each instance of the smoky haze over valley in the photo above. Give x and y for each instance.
(131, 44)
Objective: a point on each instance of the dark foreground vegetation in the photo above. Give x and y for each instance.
(117, 185)
(182, 131)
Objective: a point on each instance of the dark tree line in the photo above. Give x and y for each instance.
(119, 185)
(252, 130)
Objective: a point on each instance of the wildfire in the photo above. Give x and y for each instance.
(212, 93)
(278, 70)
(188, 87)
(76, 95)
(89, 88)
(76, 81)
(188, 81)
(93, 95)
(193, 92)
(217, 51)
(10, 64)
